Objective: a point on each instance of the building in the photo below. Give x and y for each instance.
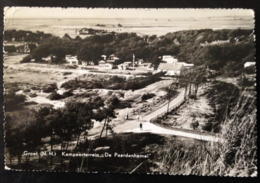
(169, 59)
(248, 64)
(171, 69)
(72, 60)
(87, 62)
(186, 65)
(111, 58)
(103, 64)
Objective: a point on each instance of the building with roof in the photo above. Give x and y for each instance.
(72, 60)
(169, 59)
(103, 64)
(171, 69)
(248, 64)
(186, 65)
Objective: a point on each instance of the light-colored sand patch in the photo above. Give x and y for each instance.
(194, 110)
(42, 100)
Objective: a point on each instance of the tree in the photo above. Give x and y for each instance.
(171, 91)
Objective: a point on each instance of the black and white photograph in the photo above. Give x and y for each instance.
(139, 91)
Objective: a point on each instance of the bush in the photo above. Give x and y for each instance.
(26, 59)
(55, 96)
(33, 95)
(26, 90)
(35, 88)
(67, 94)
(66, 73)
(13, 101)
(9, 49)
(49, 88)
(147, 96)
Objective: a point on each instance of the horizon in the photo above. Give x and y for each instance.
(100, 13)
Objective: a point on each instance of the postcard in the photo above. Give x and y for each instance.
(152, 91)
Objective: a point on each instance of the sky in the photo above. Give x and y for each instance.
(46, 12)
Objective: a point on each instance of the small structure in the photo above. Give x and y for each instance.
(87, 62)
(47, 59)
(111, 58)
(186, 65)
(72, 60)
(103, 64)
(122, 66)
(50, 59)
(169, 59)
(171, 69)
(128, 63)
(248, 64)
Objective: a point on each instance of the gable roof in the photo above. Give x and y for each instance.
(170, 67)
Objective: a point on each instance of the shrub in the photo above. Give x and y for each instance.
(66, 73)
(49, 88)
(55, 96)
(67, 94)
(147, 96)
(26, 90)
(26, 59)
(33, 95)
(13, 101)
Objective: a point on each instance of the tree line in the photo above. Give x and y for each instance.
(27, 129)
(192, 46)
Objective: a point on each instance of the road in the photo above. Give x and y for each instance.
(163, 109)
(148, 127)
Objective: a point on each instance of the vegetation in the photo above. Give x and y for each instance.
(25, 36)
(55, 96)
(223, 97)
(50, 88)
(26, 59)
(191, 80)
(147, 96)
(192, 46)
(112, 82)
(13, 101)
(60, 125)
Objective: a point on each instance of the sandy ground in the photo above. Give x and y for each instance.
(194, 110)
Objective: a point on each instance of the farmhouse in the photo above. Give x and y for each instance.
(72, 60)
(171, 69)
